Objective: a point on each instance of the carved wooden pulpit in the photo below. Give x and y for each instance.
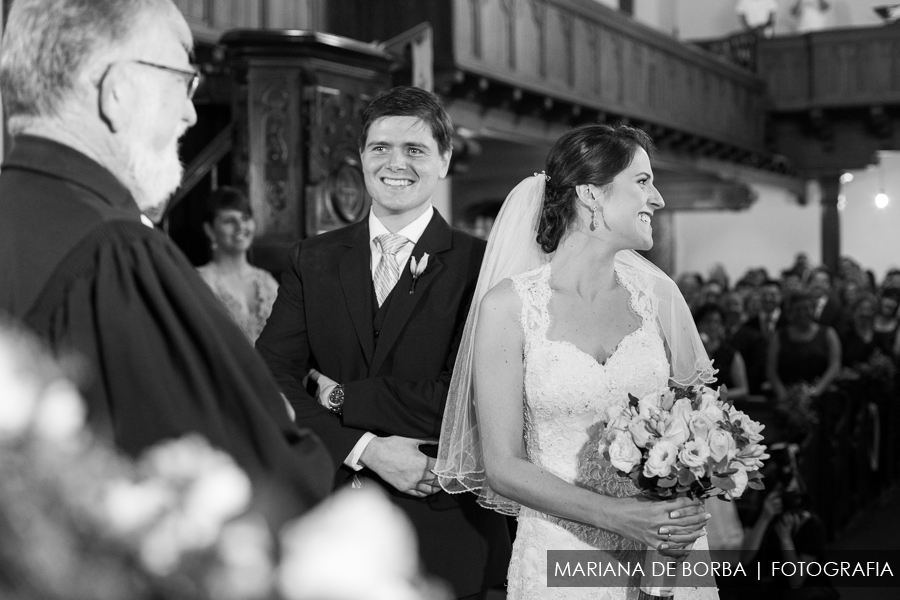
(298, 98)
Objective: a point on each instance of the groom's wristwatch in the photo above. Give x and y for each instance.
(336, 399)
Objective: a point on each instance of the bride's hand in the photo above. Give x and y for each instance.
(670, 526)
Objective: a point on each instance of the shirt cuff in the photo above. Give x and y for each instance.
(352, 459)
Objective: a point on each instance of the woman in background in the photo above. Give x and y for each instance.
(886, 322)
(805, 352)
(732, 371)
(246, 291)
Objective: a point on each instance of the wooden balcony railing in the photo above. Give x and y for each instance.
(838, 68)
(578, 54)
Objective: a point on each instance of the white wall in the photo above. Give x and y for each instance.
(869, 234)
(768, 234)
(659, 14)
(702, 19)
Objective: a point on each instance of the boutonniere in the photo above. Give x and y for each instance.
(417, 268)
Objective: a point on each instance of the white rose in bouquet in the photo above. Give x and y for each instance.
(740, 480)
(623, 454)
(640, 432)
(682, 408)
(667, 399)
(694, 456)
(648, 406)
(661, 459)
(751, 428)
(721, 445)
(752, 456)
(700, 424)
(674, 430)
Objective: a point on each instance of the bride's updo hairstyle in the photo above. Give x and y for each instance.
(592, 153)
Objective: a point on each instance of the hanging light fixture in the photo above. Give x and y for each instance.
(881, 199)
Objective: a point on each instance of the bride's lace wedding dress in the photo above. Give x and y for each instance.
(567, 395)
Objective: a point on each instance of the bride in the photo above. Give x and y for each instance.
(565, 322)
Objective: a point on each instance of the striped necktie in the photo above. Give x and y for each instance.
(388, 271)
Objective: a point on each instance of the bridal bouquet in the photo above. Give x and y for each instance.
(690, 442)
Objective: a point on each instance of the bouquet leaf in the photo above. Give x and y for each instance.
(723, 483)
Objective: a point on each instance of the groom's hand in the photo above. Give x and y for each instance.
(399, 462)
(325, 386)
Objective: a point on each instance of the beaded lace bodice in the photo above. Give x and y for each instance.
(567, 397)
(568, 393)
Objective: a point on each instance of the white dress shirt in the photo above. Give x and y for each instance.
(412, 232)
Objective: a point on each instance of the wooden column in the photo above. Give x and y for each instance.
(830, 185)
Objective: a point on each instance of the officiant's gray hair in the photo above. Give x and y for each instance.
(48, 43)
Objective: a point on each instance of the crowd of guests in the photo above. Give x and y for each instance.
(806, 326)
(814, 355)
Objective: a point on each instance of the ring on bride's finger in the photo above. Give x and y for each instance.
(669, 537)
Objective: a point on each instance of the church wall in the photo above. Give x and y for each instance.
(869, 234)
(768, 234)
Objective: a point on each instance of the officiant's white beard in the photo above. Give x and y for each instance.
(153, 176)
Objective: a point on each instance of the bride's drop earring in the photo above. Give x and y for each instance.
(594, 223)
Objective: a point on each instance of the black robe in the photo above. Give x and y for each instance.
(79, 268)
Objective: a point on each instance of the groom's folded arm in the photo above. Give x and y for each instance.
(284, 346)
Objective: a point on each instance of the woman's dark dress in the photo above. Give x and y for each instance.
(802, 362)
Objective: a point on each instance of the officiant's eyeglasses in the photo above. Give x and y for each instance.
(191, 78)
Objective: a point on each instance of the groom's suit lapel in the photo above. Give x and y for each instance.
(436, 238)
(355, 269)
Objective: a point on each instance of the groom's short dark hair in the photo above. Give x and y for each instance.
(405, 101)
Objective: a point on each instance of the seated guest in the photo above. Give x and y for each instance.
(791, 281)
(732, 304)
(892, 280)
(96, 116)
(768, 319)
(710, 293)
(804, 352)
(858, 338)
(826, 308)
(246, 291)
(731, 370)
(886, 321)
(748, 341)
(689, 284)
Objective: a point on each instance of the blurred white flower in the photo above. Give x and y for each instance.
(161, 548)
(60, 413)
(18, 396)
(183, 459)
(356, 546)
(215, 497)
(245, 548)
(130, 507)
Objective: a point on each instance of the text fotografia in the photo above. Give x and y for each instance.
(598, 568)
(830, 569)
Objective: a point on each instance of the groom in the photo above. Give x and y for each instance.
(374, 313)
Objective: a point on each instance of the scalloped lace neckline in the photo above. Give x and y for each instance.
(632, 297)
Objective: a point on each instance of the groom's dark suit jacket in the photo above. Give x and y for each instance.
(395, 364)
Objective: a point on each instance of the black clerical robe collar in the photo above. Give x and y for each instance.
(51, 158)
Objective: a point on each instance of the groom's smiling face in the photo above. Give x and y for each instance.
(402, 165)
